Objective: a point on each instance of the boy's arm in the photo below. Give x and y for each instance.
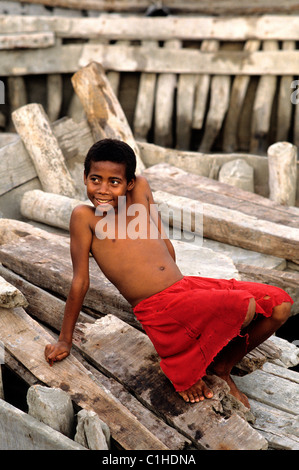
(81, 237)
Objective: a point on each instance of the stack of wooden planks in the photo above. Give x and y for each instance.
(126, 393)
(187, 82)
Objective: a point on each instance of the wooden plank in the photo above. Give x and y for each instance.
(174, 180)
(122, 345)
(238, 28)
(238, 93)
(266, 388)
(278, 427)
(144, 109)
(69, 58)
(27, 40)
(234, 227)
(164, 105)
(203, 87)
(135, 58)
(218, 106)
(262, 108)
(21, 340)
(209, 7)
(54, 96)
(184, 113)
(102, 108)
(284, 107)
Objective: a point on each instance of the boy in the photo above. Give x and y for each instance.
(194, 323)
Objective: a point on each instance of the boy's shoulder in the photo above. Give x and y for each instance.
(83, 211)
(141, 184)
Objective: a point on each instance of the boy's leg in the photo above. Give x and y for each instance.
(255, 333)
(199, 391)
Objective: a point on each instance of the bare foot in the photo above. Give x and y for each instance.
(198, 392)
(235, 391)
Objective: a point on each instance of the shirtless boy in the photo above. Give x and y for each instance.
(194, 323)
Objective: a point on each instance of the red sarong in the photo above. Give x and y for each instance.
(192, 320)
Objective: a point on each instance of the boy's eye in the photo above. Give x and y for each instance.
(115, 182)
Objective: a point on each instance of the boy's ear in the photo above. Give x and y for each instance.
(131, 184)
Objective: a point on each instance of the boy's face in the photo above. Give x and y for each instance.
(105, 182)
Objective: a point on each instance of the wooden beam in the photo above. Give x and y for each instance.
(177, 181)
(236, 28)
(69, 58)
(235, 228)
(27, 40)
(204, 6)
(26, 341)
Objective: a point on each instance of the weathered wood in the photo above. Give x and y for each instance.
(278, 427)
(54, 96)
(238, 93)
(27, 41)
(34, 128)
(41, 304)
(184, 113)
(69, 58)
(72, 377)
(205, 6)
(220, 93)
(236, 228)
(121, 345)
(175, 180)
(102, 108)
(269, 389)
(262, 108)
(166, 87)
(144, 109)
(284, 106)
(17, 96)
(48, 208)
(203, 86)
(10, 296)
(282, 161)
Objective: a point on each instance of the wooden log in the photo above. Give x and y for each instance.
(262, 108)
(166, 86)
(27, 41)
(117, 356)
(17, 96)
(202, 88)
(51, 209)
(33, 126)
(235, 228)
(130, 27)
(282, 161)
(199, 188)
(72, 377)
(238, 93)
(102, 108)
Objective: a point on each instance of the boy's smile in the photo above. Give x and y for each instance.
(105, 182)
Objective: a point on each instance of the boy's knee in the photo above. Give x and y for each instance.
(282, 312)
(250, 312)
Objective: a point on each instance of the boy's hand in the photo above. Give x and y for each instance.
(57, 352)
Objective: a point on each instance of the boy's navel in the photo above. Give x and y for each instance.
(162, 268)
